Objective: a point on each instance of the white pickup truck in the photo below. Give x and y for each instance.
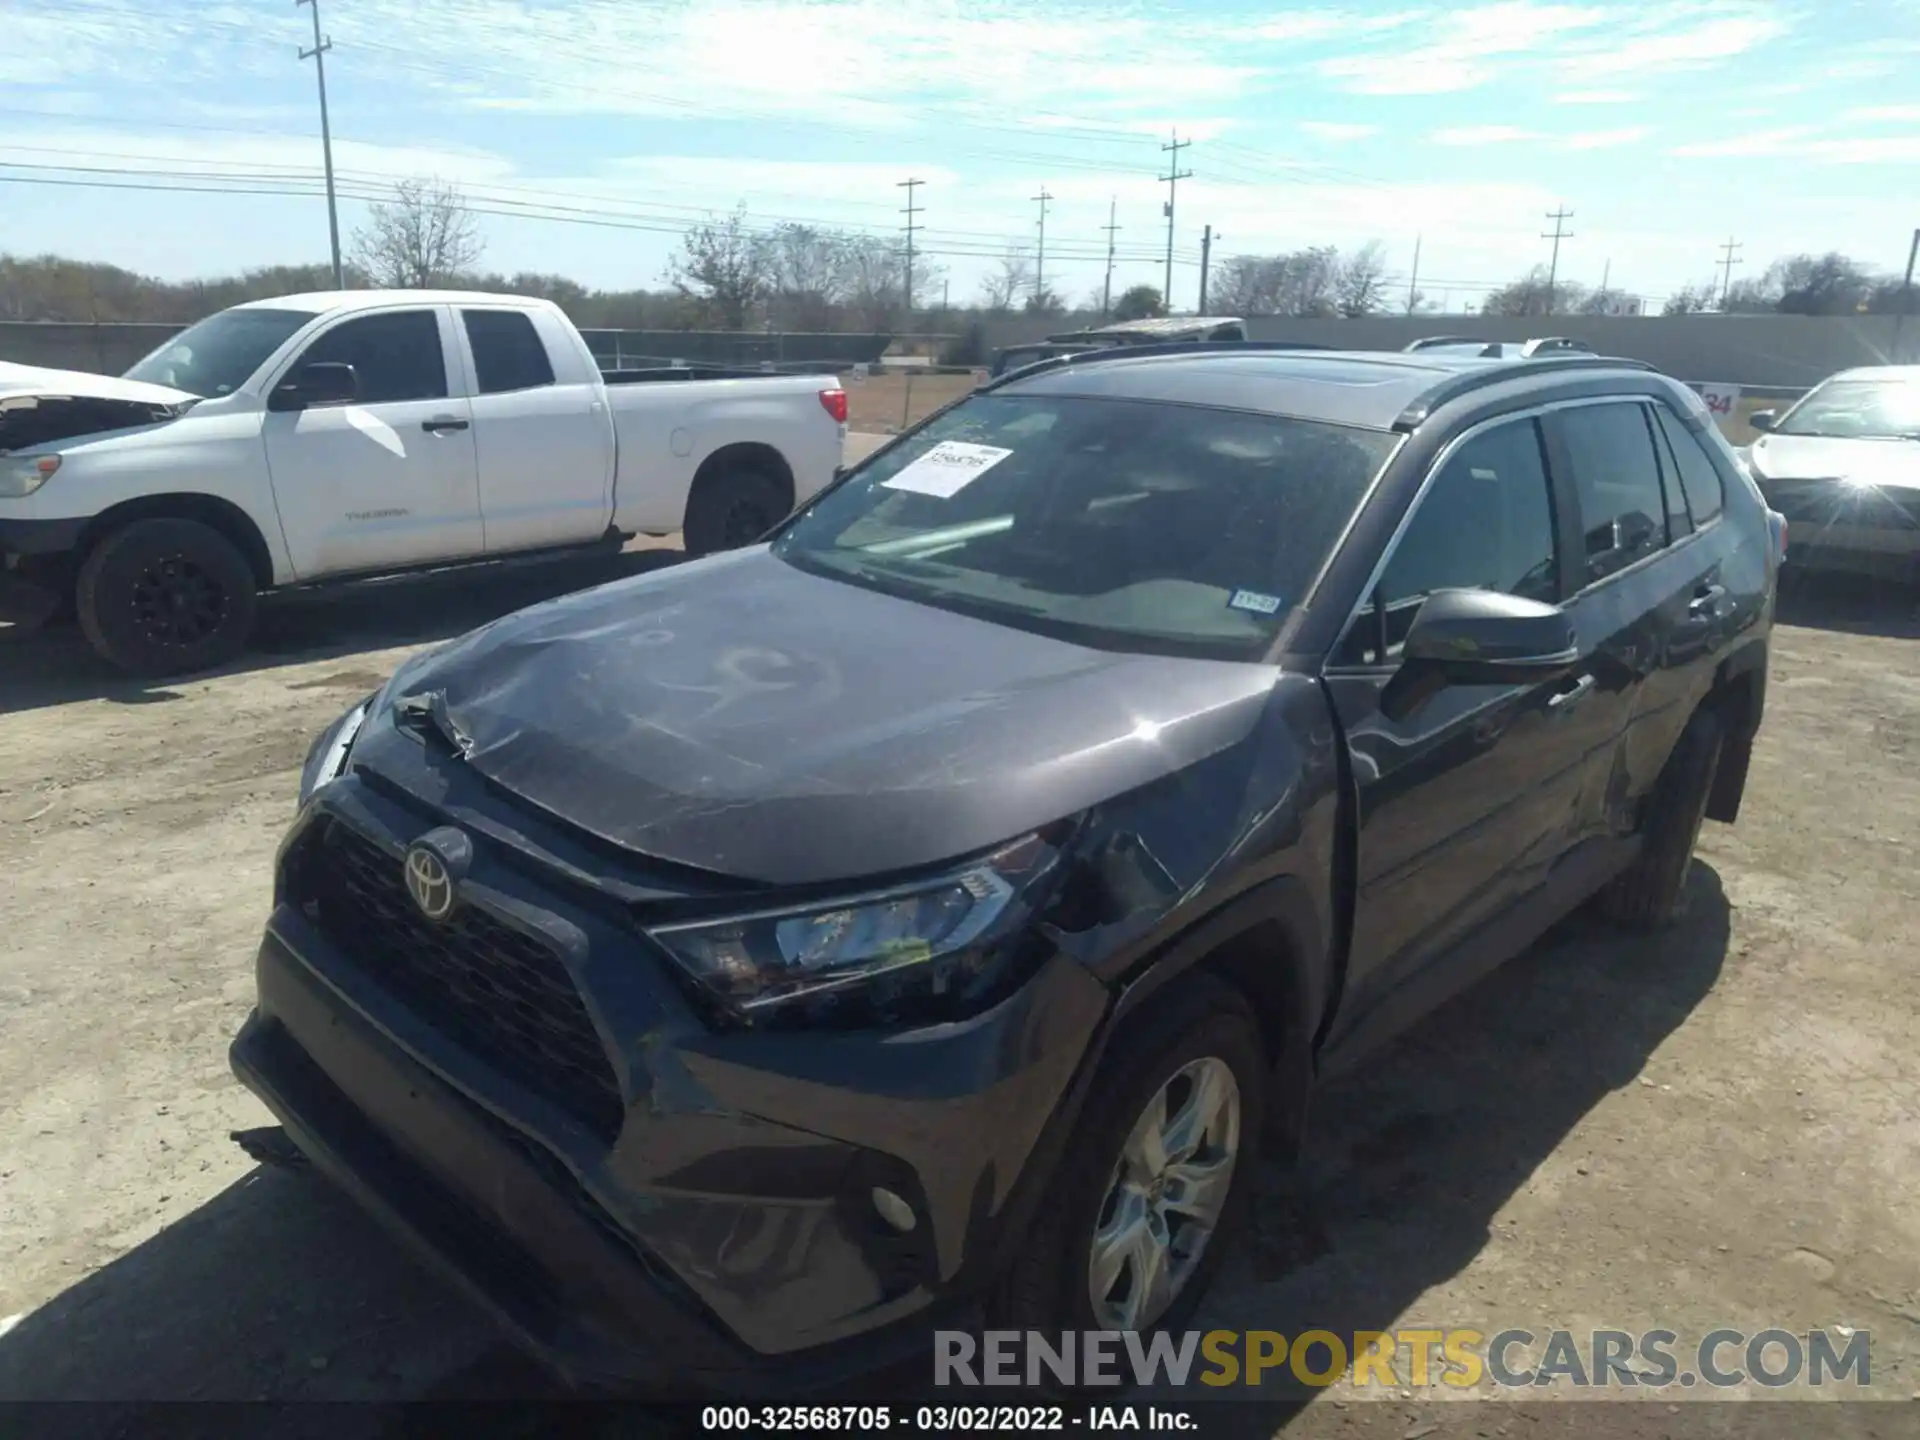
(315, 437)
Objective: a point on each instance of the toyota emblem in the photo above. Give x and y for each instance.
(429, 882)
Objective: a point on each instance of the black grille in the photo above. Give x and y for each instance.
(1814, 503)
(499, 992)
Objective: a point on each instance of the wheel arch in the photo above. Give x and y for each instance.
(221, 516)
(754, 454)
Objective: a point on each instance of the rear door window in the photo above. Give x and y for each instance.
(1616, 473)
(507, 351)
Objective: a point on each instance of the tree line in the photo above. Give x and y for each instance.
(729, 274)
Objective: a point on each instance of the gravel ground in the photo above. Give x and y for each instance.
(1717, 1127)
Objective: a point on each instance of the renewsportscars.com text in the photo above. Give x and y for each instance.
(1461, 1358)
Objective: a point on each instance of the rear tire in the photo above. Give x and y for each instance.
(1647, 895)
(1205, 1031)
(731, 506)
(166, 597)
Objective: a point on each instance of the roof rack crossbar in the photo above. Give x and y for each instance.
(1455, 386)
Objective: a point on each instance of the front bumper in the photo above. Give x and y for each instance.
(1832, 524)
(723, 1238)
(35, 567)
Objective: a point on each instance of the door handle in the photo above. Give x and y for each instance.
(1706, 600)
(434, 427)
(1567, 698)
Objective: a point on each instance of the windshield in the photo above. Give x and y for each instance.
(1875, 408)
(220, 354)
(1168, 529)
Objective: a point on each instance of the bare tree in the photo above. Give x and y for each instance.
(1694, 299)
(875, 279)
(1304, 282)
(808, 277)
(422, 238)
(1362, 282)
(724, 270)
(1531, 295)
(1015, 275)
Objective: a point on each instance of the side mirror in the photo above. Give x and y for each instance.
(324, 382)
(1479, 637)
(1764, 419)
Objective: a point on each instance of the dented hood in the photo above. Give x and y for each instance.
(17, 380)
(746, 718)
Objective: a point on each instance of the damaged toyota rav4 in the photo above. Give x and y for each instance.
(932, 913)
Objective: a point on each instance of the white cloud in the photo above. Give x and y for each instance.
(1597, 97)
(1679, 49)
(1299, 25)
(1876, 114)
(1606, 139)
(1338, 129)
(1481, 135)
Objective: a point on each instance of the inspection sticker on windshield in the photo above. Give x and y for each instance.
(947, 469)
(1256, 602)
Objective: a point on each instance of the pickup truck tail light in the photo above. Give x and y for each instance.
(834, 402)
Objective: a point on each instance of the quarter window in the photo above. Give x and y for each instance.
(396, 354)
(1617, 477)
(1485, 523)
(507, 352)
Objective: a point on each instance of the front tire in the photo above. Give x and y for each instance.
(1159, 1176)
(166, 597)
(1647, 895)
(731, 506)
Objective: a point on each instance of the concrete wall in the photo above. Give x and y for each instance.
(1788, 351)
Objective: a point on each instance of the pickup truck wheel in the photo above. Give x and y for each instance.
(166, 597)
(1158, 1177)
(1648, 893)
(730, 507)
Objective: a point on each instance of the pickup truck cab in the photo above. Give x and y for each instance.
(729, 974)
(347, 433)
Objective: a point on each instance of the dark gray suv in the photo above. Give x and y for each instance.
(932, 913)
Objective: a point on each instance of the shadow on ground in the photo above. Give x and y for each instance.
(55, 666)
(278, 1289)
(1851, 604)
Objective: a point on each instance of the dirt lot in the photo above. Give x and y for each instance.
(888, 404)
(1720, 1127)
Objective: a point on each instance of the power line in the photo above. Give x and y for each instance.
(912, 210)
(1560, 232)
(1040, 264)
(318, 54)
(1171, 180)
(1106, 290)
(1728, 259)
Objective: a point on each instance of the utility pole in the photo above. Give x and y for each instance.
(912, 210)
(1040, 264)
(1206, 253)
(1906, 299)
(1729, 253)
(1560, 232)
(318, 55)
(1413, 284)
(1171, 180)
(1106, 291)
(1606, 275)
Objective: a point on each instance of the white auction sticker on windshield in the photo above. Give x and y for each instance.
(947, 469)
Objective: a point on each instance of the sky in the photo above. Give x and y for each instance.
(588, 134)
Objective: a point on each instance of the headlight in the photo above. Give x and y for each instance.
(328, 757)
(23, 474)
(936, 947)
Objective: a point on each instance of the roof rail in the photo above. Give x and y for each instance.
(1432, 341)
(1555, 342)
(1455, 386)
(1134, 352)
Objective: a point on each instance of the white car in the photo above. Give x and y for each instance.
(313, 437)
(1843, 465)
